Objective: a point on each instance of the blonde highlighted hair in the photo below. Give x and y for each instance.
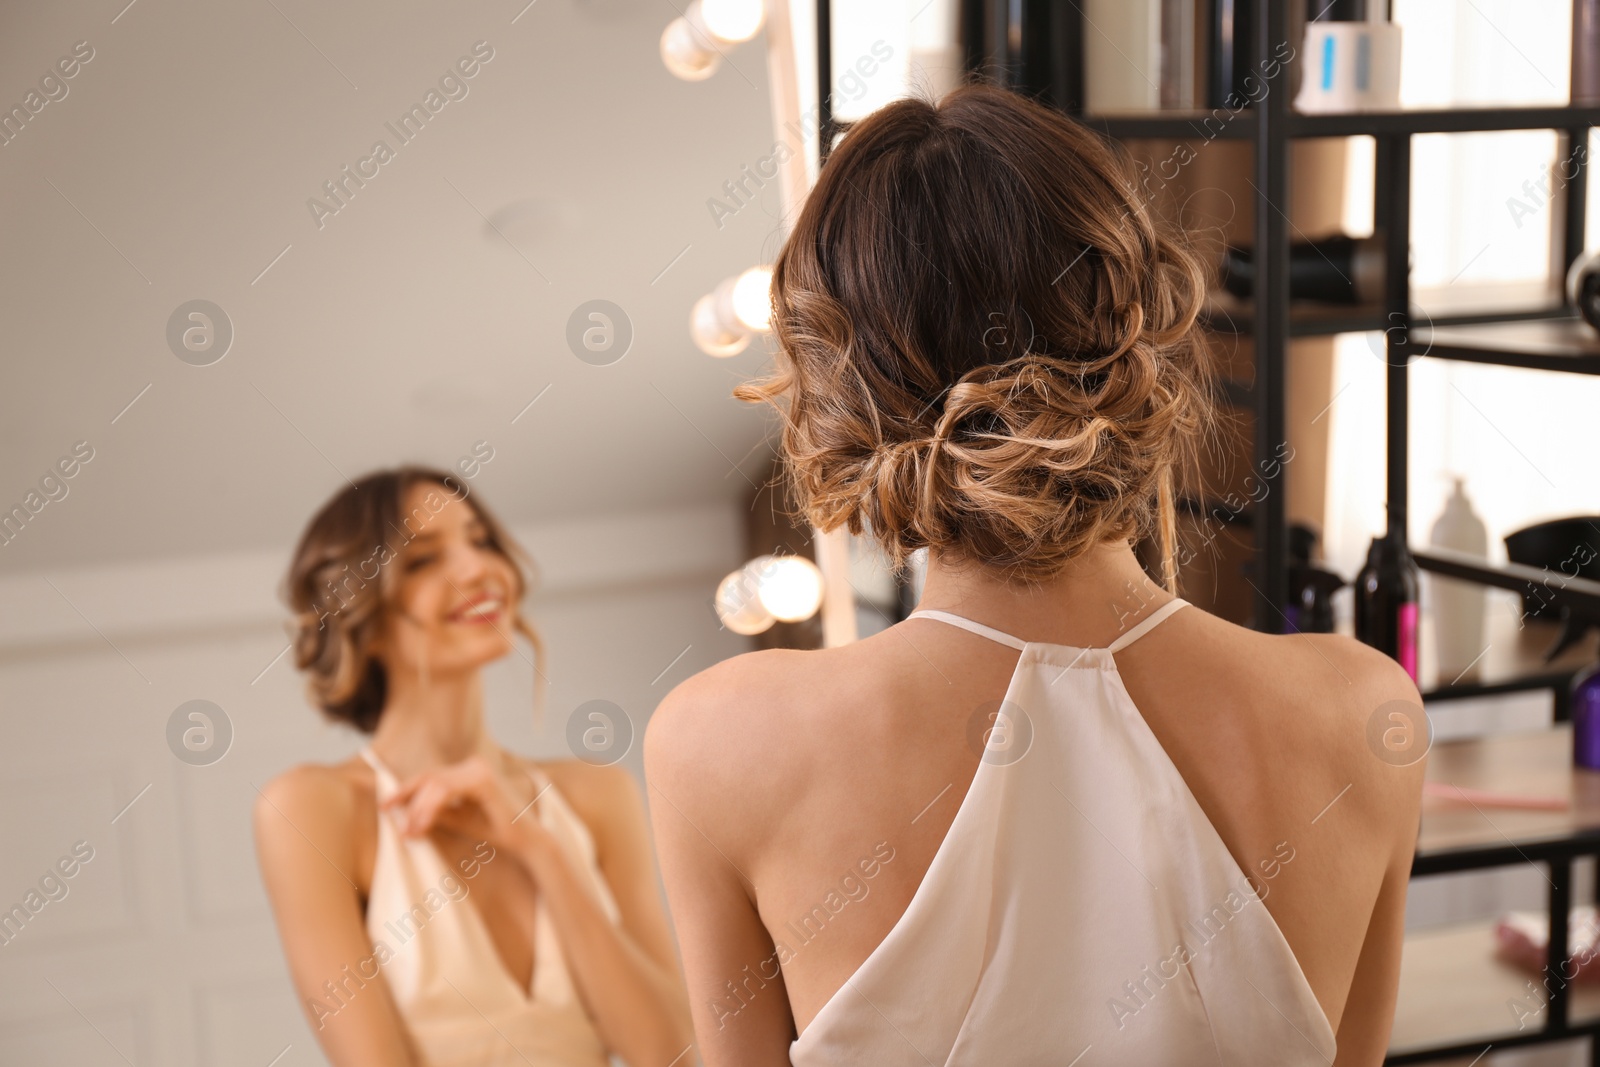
(988, 346)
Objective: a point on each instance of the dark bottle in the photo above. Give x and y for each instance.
(1232, 26)
(1386, 598)
(1311, 588)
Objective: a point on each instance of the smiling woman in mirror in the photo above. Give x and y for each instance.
(444, 902)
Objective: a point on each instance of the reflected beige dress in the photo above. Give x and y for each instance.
(460, 1004)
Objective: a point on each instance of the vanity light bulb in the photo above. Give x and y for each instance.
(711, 331)
(739, 604)
(790, 587)
(686, 53)
(732, 20)
(752, 299)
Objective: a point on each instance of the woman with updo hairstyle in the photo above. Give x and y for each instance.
(444, 902)
(1055, 815)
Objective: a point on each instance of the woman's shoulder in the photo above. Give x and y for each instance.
(1336, 679)
(326, 803)
(330, 807)
(1328, 676)
(331, 783)
(1376, 709)
(727, 687)
(1328, 705)
(727, 710)
(752, 727)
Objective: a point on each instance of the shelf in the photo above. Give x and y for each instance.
(1175, 125)
(1454, 992)
(1457, 836)
(1310, 319)
(1225, 313)
(1422, 319)
(1206, 125)
(1559, 589)
(1446, 120)
(1570, 345)
(1521, 683)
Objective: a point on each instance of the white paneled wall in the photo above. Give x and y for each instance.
(162, 950)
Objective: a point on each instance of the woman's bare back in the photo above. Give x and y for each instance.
(852, 763)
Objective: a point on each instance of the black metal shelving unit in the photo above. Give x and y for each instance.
(1042, 55)
(1037, 46)
(1558, 856)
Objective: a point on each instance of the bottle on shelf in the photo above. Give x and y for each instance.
(1457, 607)
(1585, 705)
(1386, 598)
(1140, 55)
(1585, 51)
(1350, 60)
(1311, 588)
(1230, 29)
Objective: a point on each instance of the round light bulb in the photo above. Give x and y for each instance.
(686, 53)
(739, 604)
(733, 20)
(790, 587)
(752, 299)
(711, 332)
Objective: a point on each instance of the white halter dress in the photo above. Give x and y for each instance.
(1081, 910)
(460, 1004)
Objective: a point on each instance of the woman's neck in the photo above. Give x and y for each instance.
(431, 723)
(1088, 604)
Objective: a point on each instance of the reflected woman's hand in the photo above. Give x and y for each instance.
(470, 798)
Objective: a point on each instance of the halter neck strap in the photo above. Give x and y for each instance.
(386, 779)
(1145, 625)
(1150, 622)
(967, 624)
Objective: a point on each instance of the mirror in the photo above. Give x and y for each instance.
(267, 249)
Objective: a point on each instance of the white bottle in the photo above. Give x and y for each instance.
(1458, 606)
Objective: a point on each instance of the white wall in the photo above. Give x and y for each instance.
(164, 941)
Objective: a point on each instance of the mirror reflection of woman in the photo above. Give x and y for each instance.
(444, 902)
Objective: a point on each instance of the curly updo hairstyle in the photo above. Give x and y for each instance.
(987, 343)
(343, 580)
